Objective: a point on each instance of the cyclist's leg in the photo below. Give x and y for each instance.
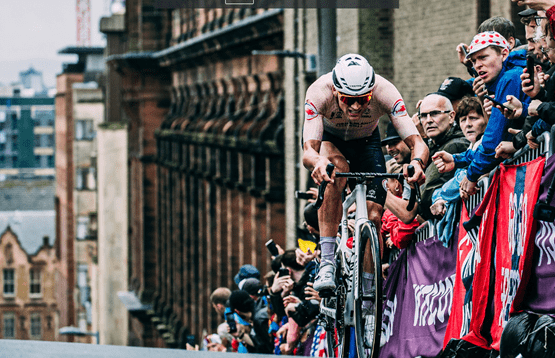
(329, 217)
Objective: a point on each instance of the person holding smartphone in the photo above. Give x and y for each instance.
(489, 52)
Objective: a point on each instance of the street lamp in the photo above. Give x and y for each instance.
(76, 331)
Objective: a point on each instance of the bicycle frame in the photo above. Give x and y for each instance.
(347, 258)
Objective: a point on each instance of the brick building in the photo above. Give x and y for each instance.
(28, 308)
(214, 129)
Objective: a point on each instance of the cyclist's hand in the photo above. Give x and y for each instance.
(443, 161)
(418, 177)
(319, 173)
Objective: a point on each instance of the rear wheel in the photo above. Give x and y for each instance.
(368, 304)
(338, 336)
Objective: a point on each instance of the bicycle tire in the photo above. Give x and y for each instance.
(368, 343)
(338, 335)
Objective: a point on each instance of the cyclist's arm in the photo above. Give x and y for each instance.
(418, 149)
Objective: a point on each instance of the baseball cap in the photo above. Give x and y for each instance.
(486, 39)
(246, 271)
(527, 12)
(455, 88)
(391, 134)
(251, 285)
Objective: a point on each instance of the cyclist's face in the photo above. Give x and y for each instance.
(354, 110)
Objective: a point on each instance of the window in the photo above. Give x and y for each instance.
(34, 282)
(9, 282)
(84, 129)
(82, 227)
(86, 178)
(36, 330)
(9, 325)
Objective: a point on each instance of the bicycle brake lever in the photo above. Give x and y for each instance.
(322, 188)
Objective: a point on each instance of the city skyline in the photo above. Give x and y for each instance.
(36, 30)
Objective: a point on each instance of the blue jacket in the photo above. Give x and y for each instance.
(483, 159)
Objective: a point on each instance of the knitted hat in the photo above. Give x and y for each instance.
(246, 271)
(241, 301)
(485, 39)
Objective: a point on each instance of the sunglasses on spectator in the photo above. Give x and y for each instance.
(350, 100)
(433, 114)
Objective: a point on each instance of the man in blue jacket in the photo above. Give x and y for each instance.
(497, 76)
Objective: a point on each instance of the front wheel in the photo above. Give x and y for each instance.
(368, 304)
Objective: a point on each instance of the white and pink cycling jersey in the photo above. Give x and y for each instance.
(322, 112)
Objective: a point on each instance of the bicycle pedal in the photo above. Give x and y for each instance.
(326, 293)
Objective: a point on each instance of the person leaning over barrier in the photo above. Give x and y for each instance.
(488, 52)
(473, 123)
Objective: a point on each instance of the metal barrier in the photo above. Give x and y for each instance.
(425, 231)
(475, 200)
(526, 154)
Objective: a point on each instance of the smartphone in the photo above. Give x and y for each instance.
(303, 195)
(191, 339)
(231, 322)
(471, 71)
(283, 272)
(530, 62)
(497, 103)
(272, 248)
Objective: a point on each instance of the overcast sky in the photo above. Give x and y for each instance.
(33, 31)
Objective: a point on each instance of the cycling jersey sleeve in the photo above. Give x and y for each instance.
(314, 107)
(390, 98)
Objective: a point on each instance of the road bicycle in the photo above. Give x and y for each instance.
(352, 315)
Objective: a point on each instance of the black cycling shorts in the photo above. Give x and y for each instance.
(364, 155)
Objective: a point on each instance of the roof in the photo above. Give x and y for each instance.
(30, 227)
(82, 50)
(26, 195)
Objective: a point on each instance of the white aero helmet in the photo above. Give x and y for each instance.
(353, 75)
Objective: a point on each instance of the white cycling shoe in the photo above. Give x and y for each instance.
(325, 280)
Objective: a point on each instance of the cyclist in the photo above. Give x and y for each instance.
(342, 111)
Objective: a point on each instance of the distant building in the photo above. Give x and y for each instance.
(32, 79)
(27, 137)
(79, 111)
(28, 308)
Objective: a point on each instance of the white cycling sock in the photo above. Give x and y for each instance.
(327, 244)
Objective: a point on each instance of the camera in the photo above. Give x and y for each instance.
(303, 195)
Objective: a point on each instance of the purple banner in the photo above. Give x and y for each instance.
(539, 293)
(423, 303)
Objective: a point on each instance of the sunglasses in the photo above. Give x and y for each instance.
(350, 100)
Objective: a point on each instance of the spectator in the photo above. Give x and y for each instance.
(546, 5)
(400, 153)
(499, 77)
(438, 120)
(473, 123)
(219, 298)
(455, 89)
(254, 288)
(241, 303)
(395, 232)
(246, 271)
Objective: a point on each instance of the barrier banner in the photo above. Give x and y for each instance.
(468, 256)
(421, 316)
(518, 194)
(540, 297)
(394, 292)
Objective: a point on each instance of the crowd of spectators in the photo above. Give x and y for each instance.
(467, 134)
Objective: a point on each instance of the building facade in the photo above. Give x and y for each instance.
(213, 104)
(28, 307)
